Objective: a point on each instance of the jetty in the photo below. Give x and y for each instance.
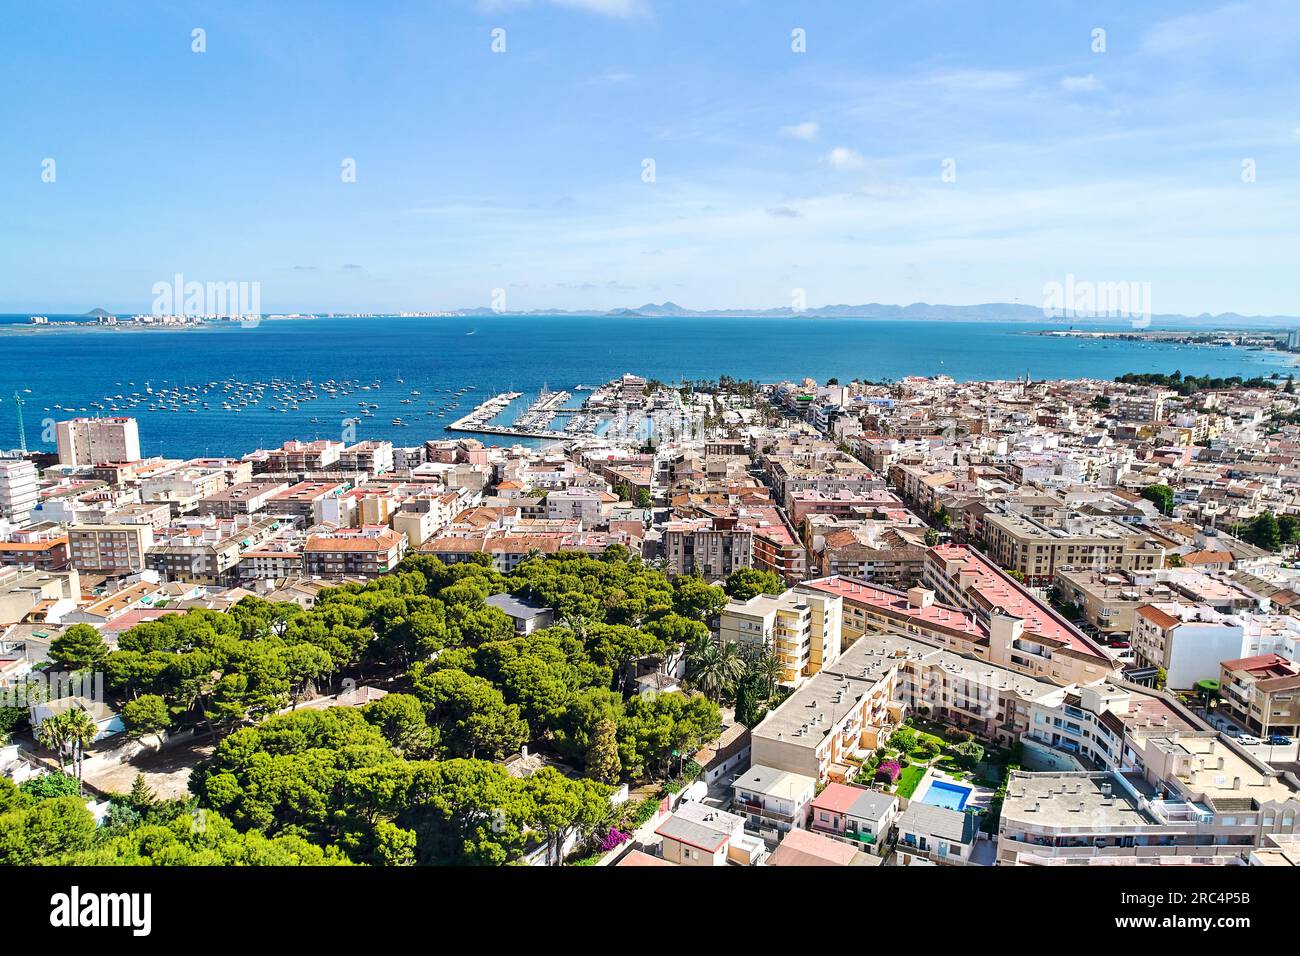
(477, 420)
(534, 422)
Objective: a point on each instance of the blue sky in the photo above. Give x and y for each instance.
(774, 170)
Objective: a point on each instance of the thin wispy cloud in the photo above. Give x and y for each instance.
(806, 131)
(619, 9)
(842, 157)
(1087, 83)
(1192, 30)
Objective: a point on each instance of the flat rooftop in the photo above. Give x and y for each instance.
(829, 695)
(1072, 800)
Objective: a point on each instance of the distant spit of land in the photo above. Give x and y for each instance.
(917, 311)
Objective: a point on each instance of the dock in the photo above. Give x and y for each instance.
(484, 412)
(477, 420)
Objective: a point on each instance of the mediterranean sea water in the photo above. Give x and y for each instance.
(73, 367)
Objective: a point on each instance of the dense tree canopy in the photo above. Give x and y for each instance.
(745, 583)
(415, 776)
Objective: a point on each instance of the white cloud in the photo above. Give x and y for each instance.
(841, 157)
(1193, 30)
(609, 8)
(1081, 84)
(805, 131)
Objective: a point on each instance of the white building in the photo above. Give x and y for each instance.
(576, 504)
(18, 492)
(1187, 640)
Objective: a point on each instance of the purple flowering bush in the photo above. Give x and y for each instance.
(613, 838)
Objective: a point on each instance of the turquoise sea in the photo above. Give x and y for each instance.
(73, 367)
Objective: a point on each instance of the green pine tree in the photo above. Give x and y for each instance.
(602, 756)
(141, 798)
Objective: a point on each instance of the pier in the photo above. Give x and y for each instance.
(485, 411)
(533, 422)
(542, 411)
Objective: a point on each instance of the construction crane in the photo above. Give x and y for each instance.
(22, 432)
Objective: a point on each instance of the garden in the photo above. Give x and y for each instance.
(920, 743)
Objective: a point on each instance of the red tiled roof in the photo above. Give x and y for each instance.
(837, 798)
(997, 589)
(887, 599)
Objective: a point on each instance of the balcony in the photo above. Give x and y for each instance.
(754, 807)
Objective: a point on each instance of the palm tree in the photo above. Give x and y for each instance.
(53, 733)
(82, 731)
(575, 622)
(696, 649)
(768, 668)
(717, 668)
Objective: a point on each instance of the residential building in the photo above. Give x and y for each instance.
(1188, 641)
(527, 616)
(1108, 599)
(183, 488)
(84, 442)
(18, 490)
(802, 628)
(42, 546)
(1262, 692)
(936, 834)
(209, 552)
(699, 835)
(1099, 818)
(841, 715)
(773, 801)
(245, 498)
(729, 753)
(854, 813)
(111, 549)
(368, 551)
(1037, 550)
(24, 592)
(306, 500)
(1020, 633)
(805, 848)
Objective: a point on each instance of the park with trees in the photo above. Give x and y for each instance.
(416, 776)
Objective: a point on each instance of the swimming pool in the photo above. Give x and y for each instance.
(947, 795)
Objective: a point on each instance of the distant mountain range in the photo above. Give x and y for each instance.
(988, 312)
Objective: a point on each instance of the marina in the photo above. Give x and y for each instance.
(535, 421)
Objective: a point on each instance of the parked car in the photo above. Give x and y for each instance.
(1248, 739)
(1279, 740)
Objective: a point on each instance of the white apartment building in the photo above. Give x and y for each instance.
(773, 801)
(576, 504)
(83, 442)
(1188, 640)
(18, 491)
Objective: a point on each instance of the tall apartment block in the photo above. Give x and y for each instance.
(89, 441)
(18, 494)
(802, 630)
